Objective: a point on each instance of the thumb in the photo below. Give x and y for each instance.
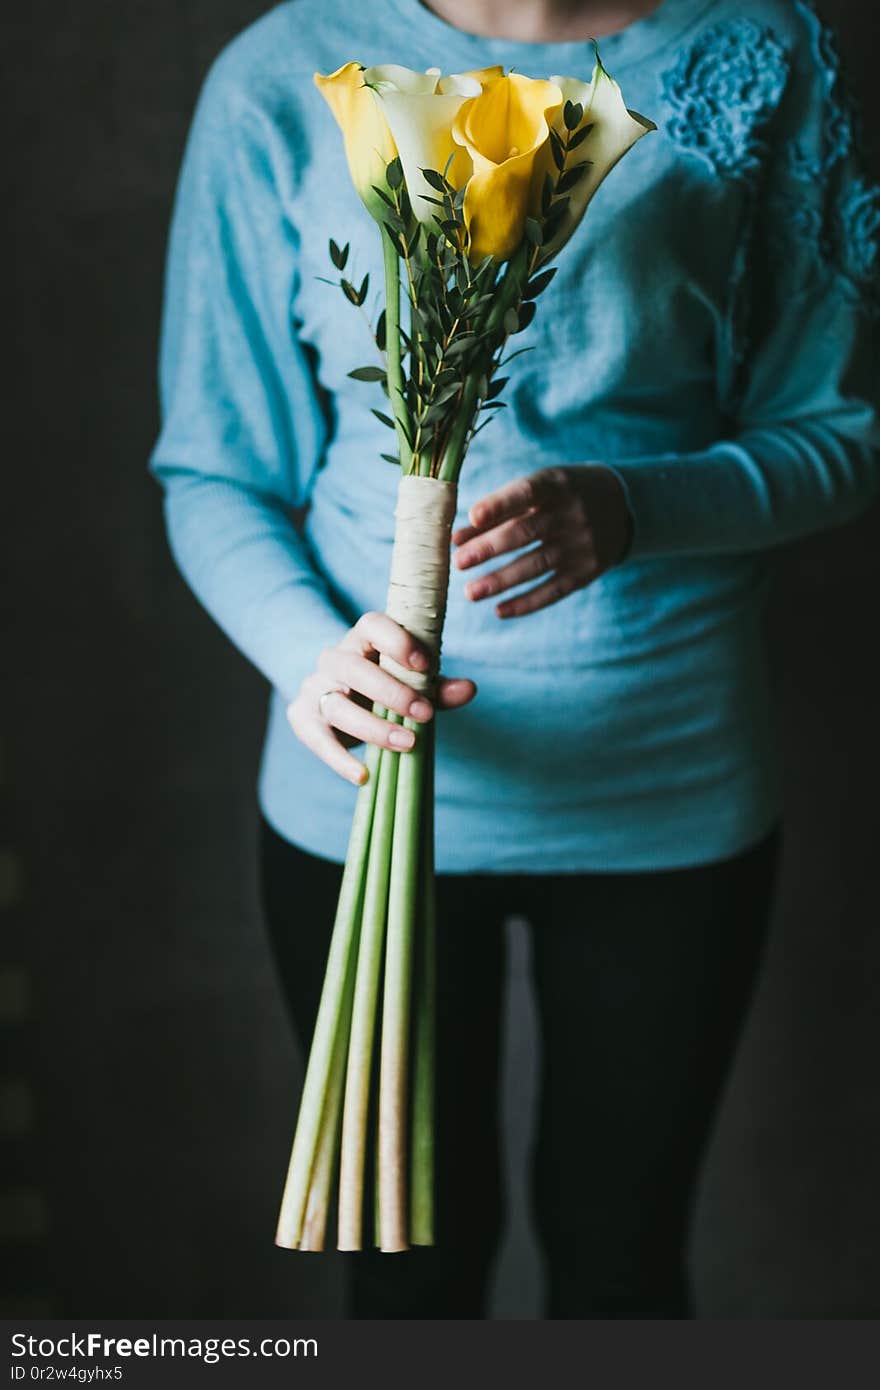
(454, 692)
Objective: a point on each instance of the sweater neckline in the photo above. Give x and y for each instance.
(631, 44)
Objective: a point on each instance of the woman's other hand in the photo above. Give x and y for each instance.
(577, 515)
(331, 711)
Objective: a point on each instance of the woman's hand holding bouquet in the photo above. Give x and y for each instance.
(348, 681)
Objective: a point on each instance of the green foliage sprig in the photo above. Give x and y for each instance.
(440, 370)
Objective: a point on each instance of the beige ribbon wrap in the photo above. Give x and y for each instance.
(419, 580)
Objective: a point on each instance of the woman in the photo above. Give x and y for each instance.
(699, 391)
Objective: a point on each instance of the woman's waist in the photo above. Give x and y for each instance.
(552, 736)
(628, 614)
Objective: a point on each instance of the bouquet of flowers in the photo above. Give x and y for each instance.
(476, 181)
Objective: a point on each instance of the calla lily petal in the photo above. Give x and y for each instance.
(393, 77)
(420, 109)
(506, 132)
(615, 130)
(486, 76)
(369, 144)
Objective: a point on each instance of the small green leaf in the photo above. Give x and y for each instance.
(572, 176)
(386, 419)
(394, 174)
(446, 393)
(393, 237)
(435, 180)
(390, 458)
(572, 114)
(461, 343)
(367, 374)
(554, 219)
(539, 283)
(381, 332)
(497, 387)
(337, 256)
(527, 312)
(534, 231)
(350, 292)
(510, 356)
(558, 150)
(579, 136)
(384, 196)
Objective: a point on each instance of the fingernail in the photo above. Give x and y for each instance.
(476, 590)
(420, 709)
(418, 661)
(401, 738)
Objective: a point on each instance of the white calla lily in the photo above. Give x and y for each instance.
(420, 108)
(615, 129)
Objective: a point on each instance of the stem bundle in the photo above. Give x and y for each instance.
(382, 943)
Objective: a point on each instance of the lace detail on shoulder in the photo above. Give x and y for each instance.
(856, 230)
(722, 90)
(821, 196)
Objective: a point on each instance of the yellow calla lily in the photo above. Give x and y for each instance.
(506, 132)
(420, 108)
(615, 130)
(486, 76)
(369, 144)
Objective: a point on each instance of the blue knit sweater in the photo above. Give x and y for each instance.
(710, 334)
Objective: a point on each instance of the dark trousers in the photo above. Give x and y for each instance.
(642, 983)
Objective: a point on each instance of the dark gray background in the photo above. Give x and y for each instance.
(150, 1084)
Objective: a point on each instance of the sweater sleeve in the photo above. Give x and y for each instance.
(802, 450)
(242, 420)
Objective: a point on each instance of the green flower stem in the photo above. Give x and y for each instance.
(330, 1014)
(424, 1026)
(376, 1200)
(394, 363)
(325, 1165)
(363, 1028)
(394, 1069)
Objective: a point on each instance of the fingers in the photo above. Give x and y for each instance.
(320, 739)
(545, 488)
(559, 586)
(532, 565)
(454, 692)
(330, 709)
(348, 669)
(342, 713)
(512, 535)
(376, 632)
(464, 533)
(318, 714)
